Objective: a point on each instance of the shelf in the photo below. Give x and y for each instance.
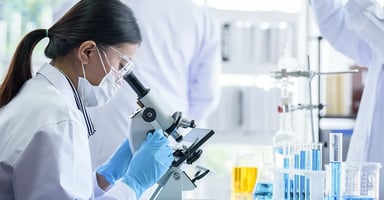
(249, 68)
(337, 123)
(338, 116)
(255, 16)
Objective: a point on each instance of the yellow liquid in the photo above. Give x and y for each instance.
(241, 196)
(243, 179)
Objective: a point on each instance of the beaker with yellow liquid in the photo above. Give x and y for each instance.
(241, 196)
(243, 179)
(244, 174)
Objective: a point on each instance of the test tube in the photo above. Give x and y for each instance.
(296, 163)
(303, 166)
(308, 165)
(316, 154)
(335, 158)
(287, 164)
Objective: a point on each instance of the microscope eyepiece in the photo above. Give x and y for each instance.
(136, 85)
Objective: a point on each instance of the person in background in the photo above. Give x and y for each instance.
(356, 29)
(44, 148)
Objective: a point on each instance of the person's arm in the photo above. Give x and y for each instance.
(112, 132)
(55, 164)
(105, 191)
(102, 183)
(123, 178)
(331, 19)
(366, 18)
(204, 77)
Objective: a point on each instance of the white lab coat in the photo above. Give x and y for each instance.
(357, 31)
(179, 60)
(44, 150)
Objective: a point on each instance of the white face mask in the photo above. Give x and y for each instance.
(98, 95)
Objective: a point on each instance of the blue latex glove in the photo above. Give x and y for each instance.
(117, 164)
(149, 163)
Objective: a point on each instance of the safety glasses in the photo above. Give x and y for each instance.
(126, 65)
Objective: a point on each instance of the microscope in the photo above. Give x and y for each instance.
(150, 116)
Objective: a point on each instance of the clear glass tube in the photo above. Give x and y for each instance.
(296, 162)
(316, 155)
(287, 154)
(303, 164)
(335, 159)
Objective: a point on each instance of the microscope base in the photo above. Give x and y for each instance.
(172, 186)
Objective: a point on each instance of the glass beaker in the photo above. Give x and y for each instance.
(369, 179)
(360, 180)
(241, 196)
(244, 173)
(350, 180)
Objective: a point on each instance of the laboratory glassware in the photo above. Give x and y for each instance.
(335, 159)
(369, 179)
(264, 184)
(244, 173)
(360, 180)
(285, 139)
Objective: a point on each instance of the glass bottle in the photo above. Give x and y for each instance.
(285, 138)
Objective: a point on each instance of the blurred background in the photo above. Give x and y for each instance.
(254, 34)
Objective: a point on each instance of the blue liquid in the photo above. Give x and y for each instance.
(357, 198)
(286, 179)
(316, 160)
(335, 182)
(296, 177)
(263, 191)
(307, 189)
(303, 156)
(303, 163)
(279, 150)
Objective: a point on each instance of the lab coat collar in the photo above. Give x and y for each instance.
(58, 80)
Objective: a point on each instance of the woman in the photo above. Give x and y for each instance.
(44, 151)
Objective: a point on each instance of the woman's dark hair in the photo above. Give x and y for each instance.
(107, 22)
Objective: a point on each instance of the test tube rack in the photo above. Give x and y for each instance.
(310, 185)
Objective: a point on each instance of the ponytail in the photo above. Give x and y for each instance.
(20, 68)
(87, 20)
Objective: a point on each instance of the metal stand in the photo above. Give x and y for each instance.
(284, 74)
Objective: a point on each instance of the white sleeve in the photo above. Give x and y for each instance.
(204, 77)
(55, 164)
(115, 192)
(97, 191)
(119, 191)
(367, 19)
(331, 19)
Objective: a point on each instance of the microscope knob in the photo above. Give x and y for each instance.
(149, 114)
